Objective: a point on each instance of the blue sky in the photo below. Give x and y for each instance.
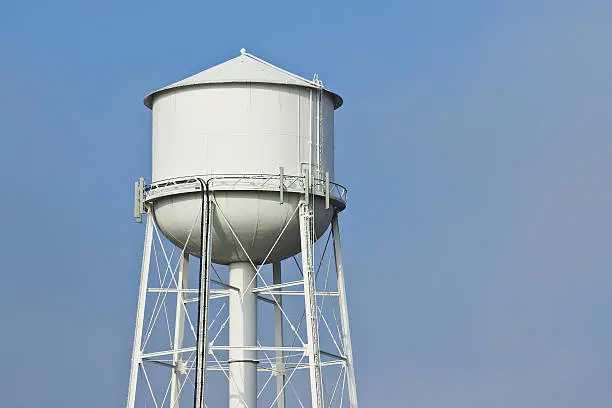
(474, 139)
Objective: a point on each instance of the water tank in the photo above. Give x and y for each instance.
(245, 127)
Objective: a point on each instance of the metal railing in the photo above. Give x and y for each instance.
(245, 182)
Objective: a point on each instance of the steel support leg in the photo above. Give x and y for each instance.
(179, 332)
(344, 319)
(312, 326)
(204, 294)
(142, 297)
(278, 337)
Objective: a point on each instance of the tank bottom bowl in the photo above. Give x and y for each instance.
(243, 222)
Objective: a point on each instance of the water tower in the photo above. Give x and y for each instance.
(243, 186)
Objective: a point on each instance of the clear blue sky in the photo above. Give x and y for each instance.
(475, 140)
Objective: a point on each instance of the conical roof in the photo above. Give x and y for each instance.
(245, 68)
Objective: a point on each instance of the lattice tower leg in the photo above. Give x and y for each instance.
(312, 327)
(179, 332)
(140, 312)
(344, 319)
(278, 337)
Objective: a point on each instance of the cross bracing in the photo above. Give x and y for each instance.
(303, 353)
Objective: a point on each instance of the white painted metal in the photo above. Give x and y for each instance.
(242, 333)
(344, 318)
(244, 116)
(223, 348)
(312, 325)
(139, 206)
(179, 331)
(142, 296)
(255, 143)
(272, 291)
(241, 182)
(278, 335)
(257, 123)
(245, 68)
(255, 216)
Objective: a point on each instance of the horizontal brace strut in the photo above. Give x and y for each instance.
(277, 286)
(221, 348)
(298, 293)
(219, 294)
(306, 365)
(171, 290)
(175, 290)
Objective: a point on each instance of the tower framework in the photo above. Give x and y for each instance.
(264, 336)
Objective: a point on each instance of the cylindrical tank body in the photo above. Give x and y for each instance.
(236, 128)
(238, 121)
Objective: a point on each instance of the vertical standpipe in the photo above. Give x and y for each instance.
(242, 333)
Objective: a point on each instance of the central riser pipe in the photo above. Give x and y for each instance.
(242, 332)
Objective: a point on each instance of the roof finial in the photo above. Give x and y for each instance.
(242, 51)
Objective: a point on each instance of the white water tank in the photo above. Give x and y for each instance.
(235, 126)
